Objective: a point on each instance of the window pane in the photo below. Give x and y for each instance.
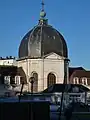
(51, 79)
(17, 80)
(7, 80)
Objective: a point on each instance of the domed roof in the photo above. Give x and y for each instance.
(42, 40)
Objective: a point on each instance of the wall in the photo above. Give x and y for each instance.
(7, 62)
(52, 63)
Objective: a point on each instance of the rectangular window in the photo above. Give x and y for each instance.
(7, 80)
(17, 80)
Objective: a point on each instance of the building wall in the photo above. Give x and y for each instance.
(51, 64)
(8, 62)
(80, 77)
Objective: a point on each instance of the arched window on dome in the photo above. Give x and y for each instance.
(84, 81)
(35, 84)
(76, 80)
(51, 79)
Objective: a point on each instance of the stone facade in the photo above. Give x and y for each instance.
(52, 63)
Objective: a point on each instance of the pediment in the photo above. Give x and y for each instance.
(53, 56)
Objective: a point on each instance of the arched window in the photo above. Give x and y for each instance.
(35, 84)
(84, 80)
(76, 80)
(51, 79)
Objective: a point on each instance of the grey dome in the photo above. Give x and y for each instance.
(42, 40)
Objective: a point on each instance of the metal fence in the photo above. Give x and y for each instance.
(55, 98)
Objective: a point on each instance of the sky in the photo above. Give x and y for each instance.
(70, 17)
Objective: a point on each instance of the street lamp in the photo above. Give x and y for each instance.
(32, 79)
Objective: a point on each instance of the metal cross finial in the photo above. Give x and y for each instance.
(42, 5)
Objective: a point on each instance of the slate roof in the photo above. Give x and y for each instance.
(11, 71)
(73, 69)
(38, 42)
(67, 87)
